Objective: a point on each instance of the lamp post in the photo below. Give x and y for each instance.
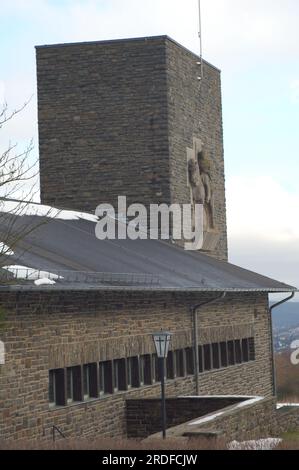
(162, 340)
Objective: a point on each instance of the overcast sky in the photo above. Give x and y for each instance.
(256, 45)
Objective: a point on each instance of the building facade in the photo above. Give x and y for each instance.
(126, 118)
(74, 358)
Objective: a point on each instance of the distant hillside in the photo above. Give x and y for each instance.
(287, 315)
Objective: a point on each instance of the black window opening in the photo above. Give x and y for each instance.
(215, 356)
(57, 387)
(200, 358)
(120, 375)
(90, 381)
(226, 353)
(223, 354)
(145, 363)
(189, 352)
(85, 382)
(180, 362)
(170, 366)
(207, 357)
(231, 353)
(133, 372)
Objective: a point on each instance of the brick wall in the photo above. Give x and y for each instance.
(144, 415)
(45, 330)
(116, 118)
(195, 114)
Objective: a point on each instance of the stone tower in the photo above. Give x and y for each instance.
(124, 118)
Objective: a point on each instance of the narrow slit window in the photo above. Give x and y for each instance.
(207, 357)
(200, 359)
(180, 363)
(223, 354)
(189, 361)
(170, 366)
(238, 351)
(231, 353)
(215, 356)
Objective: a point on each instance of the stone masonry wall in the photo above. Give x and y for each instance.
(103, 129)
(116, 118)
(45, 330)
(194, 113)
(144, 416)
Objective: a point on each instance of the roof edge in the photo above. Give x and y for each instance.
(80, 288)
(120, 40)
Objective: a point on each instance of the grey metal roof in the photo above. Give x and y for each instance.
(70, 249)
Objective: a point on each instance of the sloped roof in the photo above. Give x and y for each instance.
(70, 249)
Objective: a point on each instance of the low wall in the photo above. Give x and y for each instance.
(249, 419)
(144, 415)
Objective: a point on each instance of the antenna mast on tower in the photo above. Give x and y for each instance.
(200, 77)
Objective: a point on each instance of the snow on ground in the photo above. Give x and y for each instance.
(6, 250)
(206, 419)
(23, 208)
(260, 444)
(23, 272)
(44, 281)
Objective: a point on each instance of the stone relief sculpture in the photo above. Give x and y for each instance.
(201, 187)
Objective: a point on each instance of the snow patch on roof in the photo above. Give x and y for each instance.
(30, 274)
(24, 208)
(6, 250)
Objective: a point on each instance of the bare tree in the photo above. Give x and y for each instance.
(17, 188)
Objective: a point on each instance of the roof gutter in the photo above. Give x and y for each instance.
(283, 301)
(194, 312)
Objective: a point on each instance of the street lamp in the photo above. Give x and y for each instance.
(162, 340)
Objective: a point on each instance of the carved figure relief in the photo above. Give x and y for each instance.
(201, 188)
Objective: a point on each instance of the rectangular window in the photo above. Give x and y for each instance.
(200, 359)
(189, 352)
(180, 363)
(90, 381)
(86, 382)
(223, 354)
(93, 380)
(231, 353)
(133, 372)
(120, 373)
(57, 387)
(147, 369)
(69, 385)
(170, 366)
(106, 378)
(215, 356)
(245, 350)
(207, 357)
(101, 379)
(52, 397)
(238, 351)
(77, 383)
(251, 349)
